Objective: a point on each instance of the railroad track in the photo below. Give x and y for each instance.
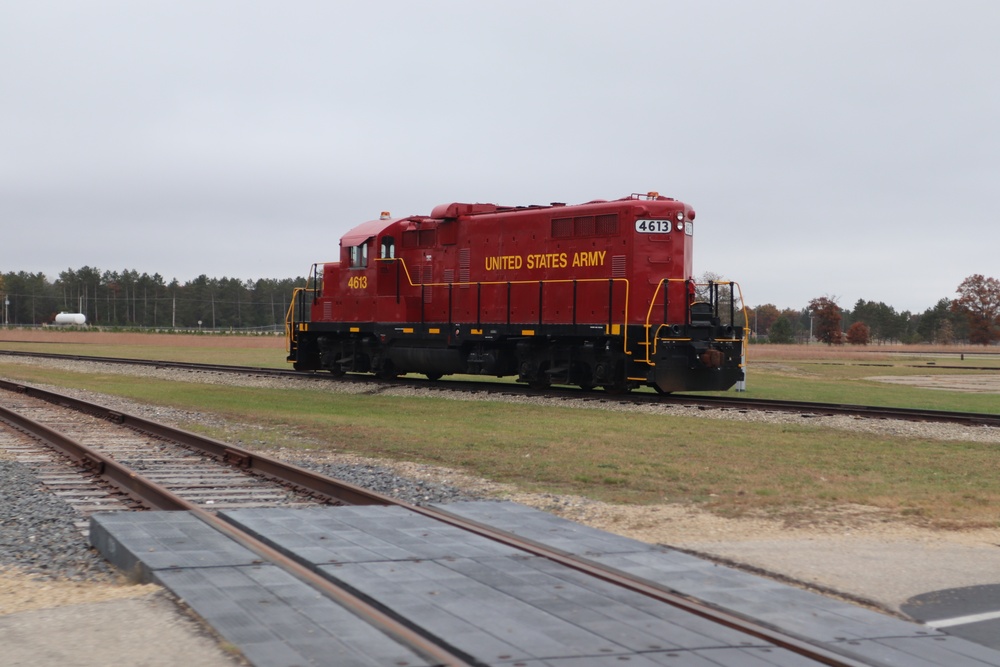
(195, 477)
(821, 409)
(707, 402)
(142, 464)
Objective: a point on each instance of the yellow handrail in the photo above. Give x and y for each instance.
(290, 316)
(652, 338)
(651, 346)
(650, 342)
(624, 322)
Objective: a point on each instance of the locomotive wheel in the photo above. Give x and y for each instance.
(617, 389)
(539, 379)
(336, 371)
(540, 384)
(618, 384)
(387, 371)
(584, 377)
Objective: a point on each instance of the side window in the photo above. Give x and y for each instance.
(388, 248)
(359, 256)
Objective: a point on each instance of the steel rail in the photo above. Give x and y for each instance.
(158, 497)
(159, 363)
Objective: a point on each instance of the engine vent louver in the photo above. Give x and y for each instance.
(618, 266)
(427, 276)
(464, 266)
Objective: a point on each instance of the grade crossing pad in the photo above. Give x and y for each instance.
(273, 618)
(494, 603)
(867, 635)
(498, 605)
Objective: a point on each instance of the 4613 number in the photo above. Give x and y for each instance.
(358, 282)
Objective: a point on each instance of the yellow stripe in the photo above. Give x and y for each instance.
(527, 332)
(407, 329)
(434, 331)
(355, 329)
(476, 332)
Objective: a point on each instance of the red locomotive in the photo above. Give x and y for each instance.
(595, 294)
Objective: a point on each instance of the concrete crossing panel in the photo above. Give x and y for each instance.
(273, 618)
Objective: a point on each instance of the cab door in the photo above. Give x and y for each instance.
(358, 282)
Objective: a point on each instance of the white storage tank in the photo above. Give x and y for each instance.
(71, 318)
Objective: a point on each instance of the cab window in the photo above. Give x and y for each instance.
(359, 256)
(388, 248)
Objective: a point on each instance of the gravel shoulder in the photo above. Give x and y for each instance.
(146, 629)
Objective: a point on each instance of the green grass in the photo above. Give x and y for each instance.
(231, 356)
(731, 468)
(850, 384)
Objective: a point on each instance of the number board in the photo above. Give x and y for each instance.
(653, 226)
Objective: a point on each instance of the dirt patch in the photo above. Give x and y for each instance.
(980, 384)
(23, 592)
(869, 353)
(147, 629)
(786, 370)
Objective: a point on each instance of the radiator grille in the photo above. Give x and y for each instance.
(585, 225)
(607, 224)
(562, 227)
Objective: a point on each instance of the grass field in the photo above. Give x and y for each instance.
(731, 468)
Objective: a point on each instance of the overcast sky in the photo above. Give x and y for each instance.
(847, 148)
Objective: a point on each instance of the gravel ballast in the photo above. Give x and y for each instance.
(37, 534)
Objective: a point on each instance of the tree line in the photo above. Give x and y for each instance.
(129, 299)
(973, 317)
